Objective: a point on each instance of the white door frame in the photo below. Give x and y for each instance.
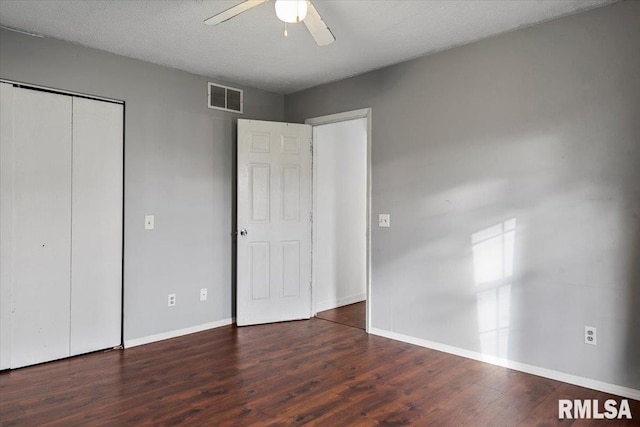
(335, 118)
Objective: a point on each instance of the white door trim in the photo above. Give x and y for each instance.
(60, 91)
(334, 118)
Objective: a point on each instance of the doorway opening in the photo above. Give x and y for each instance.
(341, 206)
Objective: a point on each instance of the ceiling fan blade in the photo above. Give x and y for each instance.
(316, 26)
(233, 11)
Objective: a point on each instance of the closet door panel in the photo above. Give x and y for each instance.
(6, 191)
(41, 227)
(96, 275)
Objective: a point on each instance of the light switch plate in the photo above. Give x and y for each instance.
(203, 294)
(148, 222)
(384, 220)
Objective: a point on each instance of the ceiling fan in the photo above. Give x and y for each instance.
(289, 11)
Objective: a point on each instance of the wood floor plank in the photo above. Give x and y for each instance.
(312, 372)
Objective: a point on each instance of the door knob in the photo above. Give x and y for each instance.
(243, 232)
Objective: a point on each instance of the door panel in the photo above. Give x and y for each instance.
(41, 227)
(260, 270)
(291, 193)
(274, 206)
(6, 209)
(260, 193)
(96, 282)
(291, 269)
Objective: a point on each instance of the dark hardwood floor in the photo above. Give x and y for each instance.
(315, 372)
(349, 315)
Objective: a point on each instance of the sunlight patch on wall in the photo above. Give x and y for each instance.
(493, 254)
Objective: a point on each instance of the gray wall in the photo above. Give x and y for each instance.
(541, 125)
(180, 167)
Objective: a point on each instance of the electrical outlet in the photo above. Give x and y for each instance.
(590, 336)
(172, 300)
(203, 294)
(384, 220)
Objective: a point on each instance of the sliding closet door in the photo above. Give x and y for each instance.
(41, 226)
(96, 253)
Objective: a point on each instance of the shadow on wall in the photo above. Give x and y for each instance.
(493, 255)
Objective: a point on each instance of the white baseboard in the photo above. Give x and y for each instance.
(339, 302)
(178, 333)
(522, 367)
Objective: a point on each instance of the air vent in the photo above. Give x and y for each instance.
(224, 98)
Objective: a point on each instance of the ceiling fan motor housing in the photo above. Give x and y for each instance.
(291, 11)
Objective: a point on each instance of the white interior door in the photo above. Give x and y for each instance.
(6, 198)
(274, 222)
(96, 254)
(40, 223)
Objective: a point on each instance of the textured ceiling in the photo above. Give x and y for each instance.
(251, 50)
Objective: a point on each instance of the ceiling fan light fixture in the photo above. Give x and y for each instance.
(291, 11)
